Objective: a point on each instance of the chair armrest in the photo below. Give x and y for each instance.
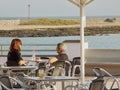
(47, 71)
(74, 68)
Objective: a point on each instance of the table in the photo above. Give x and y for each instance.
(41, 60)
(18, 68)
(51, 79)
(37, 62)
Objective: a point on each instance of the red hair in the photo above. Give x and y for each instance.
(15, 45)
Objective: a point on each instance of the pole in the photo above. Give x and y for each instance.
(82, 43)
(81, 4)
(28, 9)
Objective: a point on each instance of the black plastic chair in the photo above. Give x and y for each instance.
(97, 84)
(76, 66)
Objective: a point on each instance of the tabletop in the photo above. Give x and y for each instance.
(35, 62)
(18, 67)
(50, 79)
(53, 78)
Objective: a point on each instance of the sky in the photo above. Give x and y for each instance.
(59, 8)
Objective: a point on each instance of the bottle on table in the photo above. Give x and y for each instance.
(33, 55)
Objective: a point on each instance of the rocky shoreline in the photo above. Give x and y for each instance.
(11, 28)
(50, 32)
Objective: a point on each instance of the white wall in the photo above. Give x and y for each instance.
(73, 48)
(102, 55)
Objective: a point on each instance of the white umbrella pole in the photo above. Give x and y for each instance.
(82, 44)
(81, 4)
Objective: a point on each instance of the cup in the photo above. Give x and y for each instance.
(41, 73)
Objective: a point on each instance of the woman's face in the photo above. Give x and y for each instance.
(20, 46)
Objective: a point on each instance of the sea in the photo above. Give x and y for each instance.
(99, 41)
(109, 41)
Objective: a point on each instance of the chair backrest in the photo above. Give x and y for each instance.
(98, 72)
(76, 60)
(61, 67)
(68, 67)
(97, 84)
(5, 80)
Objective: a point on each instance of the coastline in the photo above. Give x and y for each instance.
(94, 26)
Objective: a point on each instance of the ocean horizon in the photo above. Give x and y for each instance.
(64, 17)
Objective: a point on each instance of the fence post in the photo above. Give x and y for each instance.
(1, 49)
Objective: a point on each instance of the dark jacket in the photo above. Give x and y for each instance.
(62, 57)
(13, 58)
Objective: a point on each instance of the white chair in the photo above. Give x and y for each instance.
(60, 68)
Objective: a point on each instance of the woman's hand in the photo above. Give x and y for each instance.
(23, 62)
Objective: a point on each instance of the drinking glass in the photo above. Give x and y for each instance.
(41, 73)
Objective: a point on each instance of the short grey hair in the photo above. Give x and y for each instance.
(61, 46)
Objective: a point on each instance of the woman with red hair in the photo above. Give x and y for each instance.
(14, 57)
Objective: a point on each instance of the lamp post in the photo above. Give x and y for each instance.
(28, 9)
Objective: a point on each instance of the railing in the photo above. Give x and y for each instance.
(27, 49)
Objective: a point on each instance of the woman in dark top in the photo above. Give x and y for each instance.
(14, 57)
